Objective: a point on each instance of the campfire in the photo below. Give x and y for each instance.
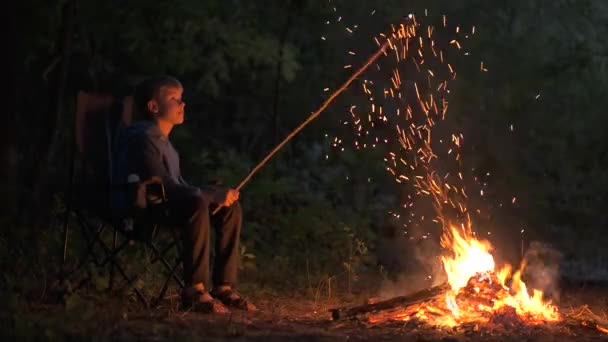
(476, 291)
(476, 294)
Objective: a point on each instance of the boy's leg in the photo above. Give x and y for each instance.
(195, 241)
(190, 216)
(228, 226)
(227, 223)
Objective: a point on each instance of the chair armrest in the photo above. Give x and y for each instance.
(141, 193)
(152, 183)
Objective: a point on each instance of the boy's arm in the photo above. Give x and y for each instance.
(149, 161)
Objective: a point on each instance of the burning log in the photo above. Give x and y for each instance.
(506, 316)
(436, 310)
(482, 290)
(402, 301)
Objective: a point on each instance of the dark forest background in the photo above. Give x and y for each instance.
(534, 125)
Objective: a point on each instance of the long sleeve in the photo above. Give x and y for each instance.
(149, 160)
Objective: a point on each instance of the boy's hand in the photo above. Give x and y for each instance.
(225, 197)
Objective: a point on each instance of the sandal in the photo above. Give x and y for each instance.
(196, 304)
(231, 298)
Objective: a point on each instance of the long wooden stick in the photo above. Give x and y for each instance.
(313, 116)
(403, 301)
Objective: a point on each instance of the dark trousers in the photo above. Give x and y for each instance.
(192, 216)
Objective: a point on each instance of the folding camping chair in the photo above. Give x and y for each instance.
(97, 121)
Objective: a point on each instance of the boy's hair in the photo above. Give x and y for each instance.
(149, 88)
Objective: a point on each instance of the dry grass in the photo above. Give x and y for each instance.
(284, 317)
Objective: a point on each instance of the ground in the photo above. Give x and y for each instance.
(296, 319)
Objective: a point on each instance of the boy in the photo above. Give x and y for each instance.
(150, 153)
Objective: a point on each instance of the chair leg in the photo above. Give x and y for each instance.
(114, 264)
(140, 295)
(93, 237)
(88, 253)
(171, 270)
(161, 257)
(162, 252)
(87, 228)
(171, 274)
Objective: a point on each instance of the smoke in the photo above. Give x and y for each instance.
(540, 269)
(423, 270)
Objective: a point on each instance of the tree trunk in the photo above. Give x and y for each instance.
(277, 84)
(50, 139)
(8, 140)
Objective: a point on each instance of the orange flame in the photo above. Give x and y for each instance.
(471, 258)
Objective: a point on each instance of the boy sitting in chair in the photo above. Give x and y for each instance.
(151, 154)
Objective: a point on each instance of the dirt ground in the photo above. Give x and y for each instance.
(283, 318)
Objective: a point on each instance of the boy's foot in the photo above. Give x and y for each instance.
(201, 301)
(230, 297)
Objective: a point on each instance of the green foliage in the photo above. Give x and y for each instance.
(307, 216)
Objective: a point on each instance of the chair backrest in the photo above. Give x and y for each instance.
(98, 117)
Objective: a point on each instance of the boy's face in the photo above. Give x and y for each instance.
(168, 105)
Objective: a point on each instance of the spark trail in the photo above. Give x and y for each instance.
(401, 110)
